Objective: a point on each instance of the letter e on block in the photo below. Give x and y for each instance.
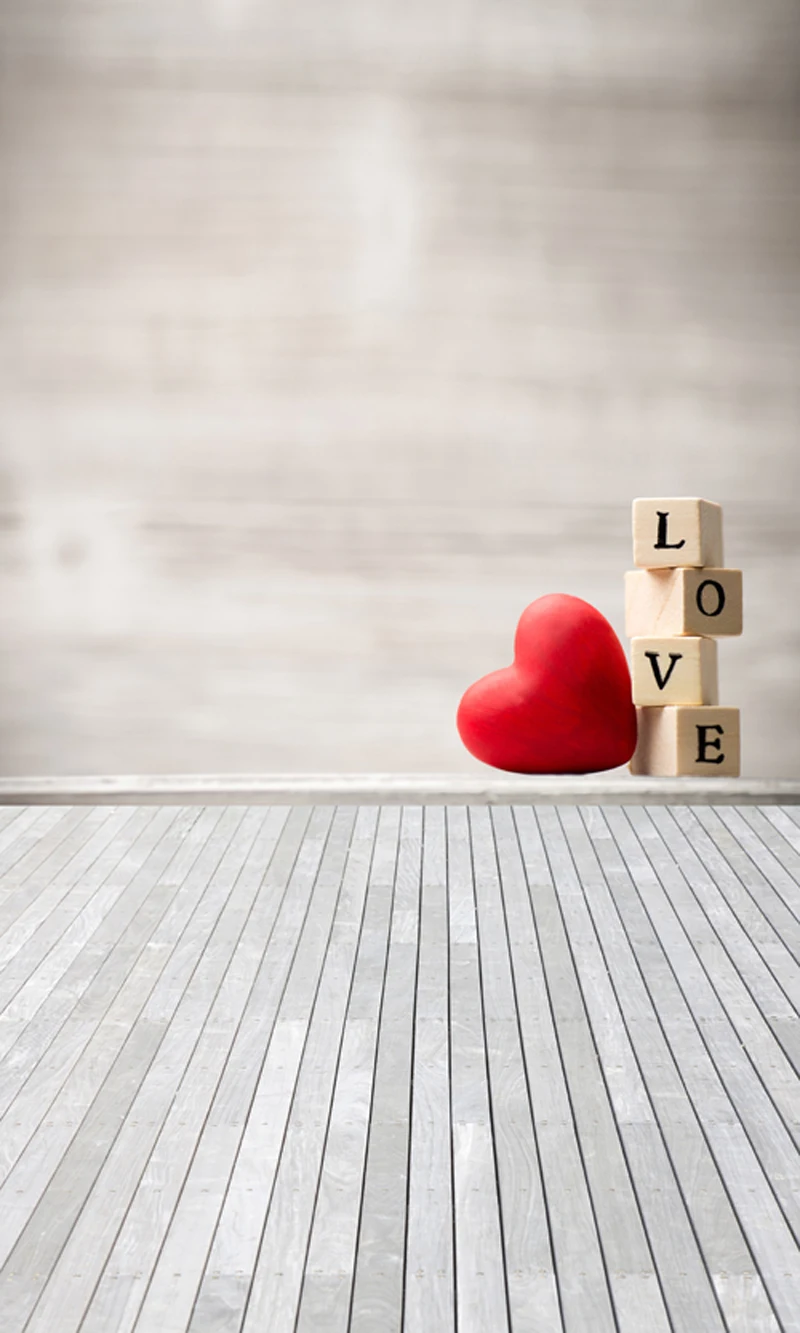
(674, 671)
(687, 742)
(684, 531)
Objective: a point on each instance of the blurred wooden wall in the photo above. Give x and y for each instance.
(330, 336)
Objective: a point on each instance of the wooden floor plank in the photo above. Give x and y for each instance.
(779, 818)
(133, 1257)
(175, 1280)
(49, 1010)
(106, 1017)
(45, 858)
(763, 1087)
(377, 1297)
(37, 950)
(777, 892)
(728, 902)
(580, 1263)
(82, 1018)
(530, 1269)
(687, 1027)
(33, 828)
(353, 969)
(83, 855)
(675, 1146)
(715, 926)
(327, 1287)
(197, 1039)
(10, 815)
(591, 1037)
(20, 832)
(327, 1278)
(58, 1168)
(223, 1294)
(429, 1299)
(756, 833)
(481, 1286)
(762, 820)
(225, 1289)
(400, 1068)
(104, 980)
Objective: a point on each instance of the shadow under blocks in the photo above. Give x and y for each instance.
(678, 601)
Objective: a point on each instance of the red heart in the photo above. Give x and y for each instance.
(565, 705)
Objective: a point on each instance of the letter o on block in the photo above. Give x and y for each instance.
(668, 602)
(710, 597)
(712, 601)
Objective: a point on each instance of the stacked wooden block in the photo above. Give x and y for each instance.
(678, 601)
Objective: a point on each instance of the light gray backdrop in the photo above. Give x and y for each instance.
(332, 335)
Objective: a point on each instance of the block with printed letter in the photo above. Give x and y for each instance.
(683, 531)
(687, 742)
(674, 671)
(666, 602)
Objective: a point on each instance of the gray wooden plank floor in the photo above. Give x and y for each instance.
(523, 1068)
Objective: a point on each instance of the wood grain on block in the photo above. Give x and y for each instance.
(669, 602)
(674, 671)
(687, 741)
(678, 532)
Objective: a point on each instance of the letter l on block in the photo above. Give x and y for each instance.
(684, 531)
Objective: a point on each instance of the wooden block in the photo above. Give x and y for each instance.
(678, 532)
(687, 742)
(674, 671)
(664, 602)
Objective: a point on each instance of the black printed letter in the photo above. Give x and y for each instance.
(703, 744)
(720, 593)
(662, 680)
(662, 544)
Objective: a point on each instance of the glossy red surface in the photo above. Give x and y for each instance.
(564, 705)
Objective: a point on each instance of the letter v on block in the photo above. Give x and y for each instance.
(674, 671)
(652, 657)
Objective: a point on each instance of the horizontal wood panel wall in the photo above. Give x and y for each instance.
(327, 346)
